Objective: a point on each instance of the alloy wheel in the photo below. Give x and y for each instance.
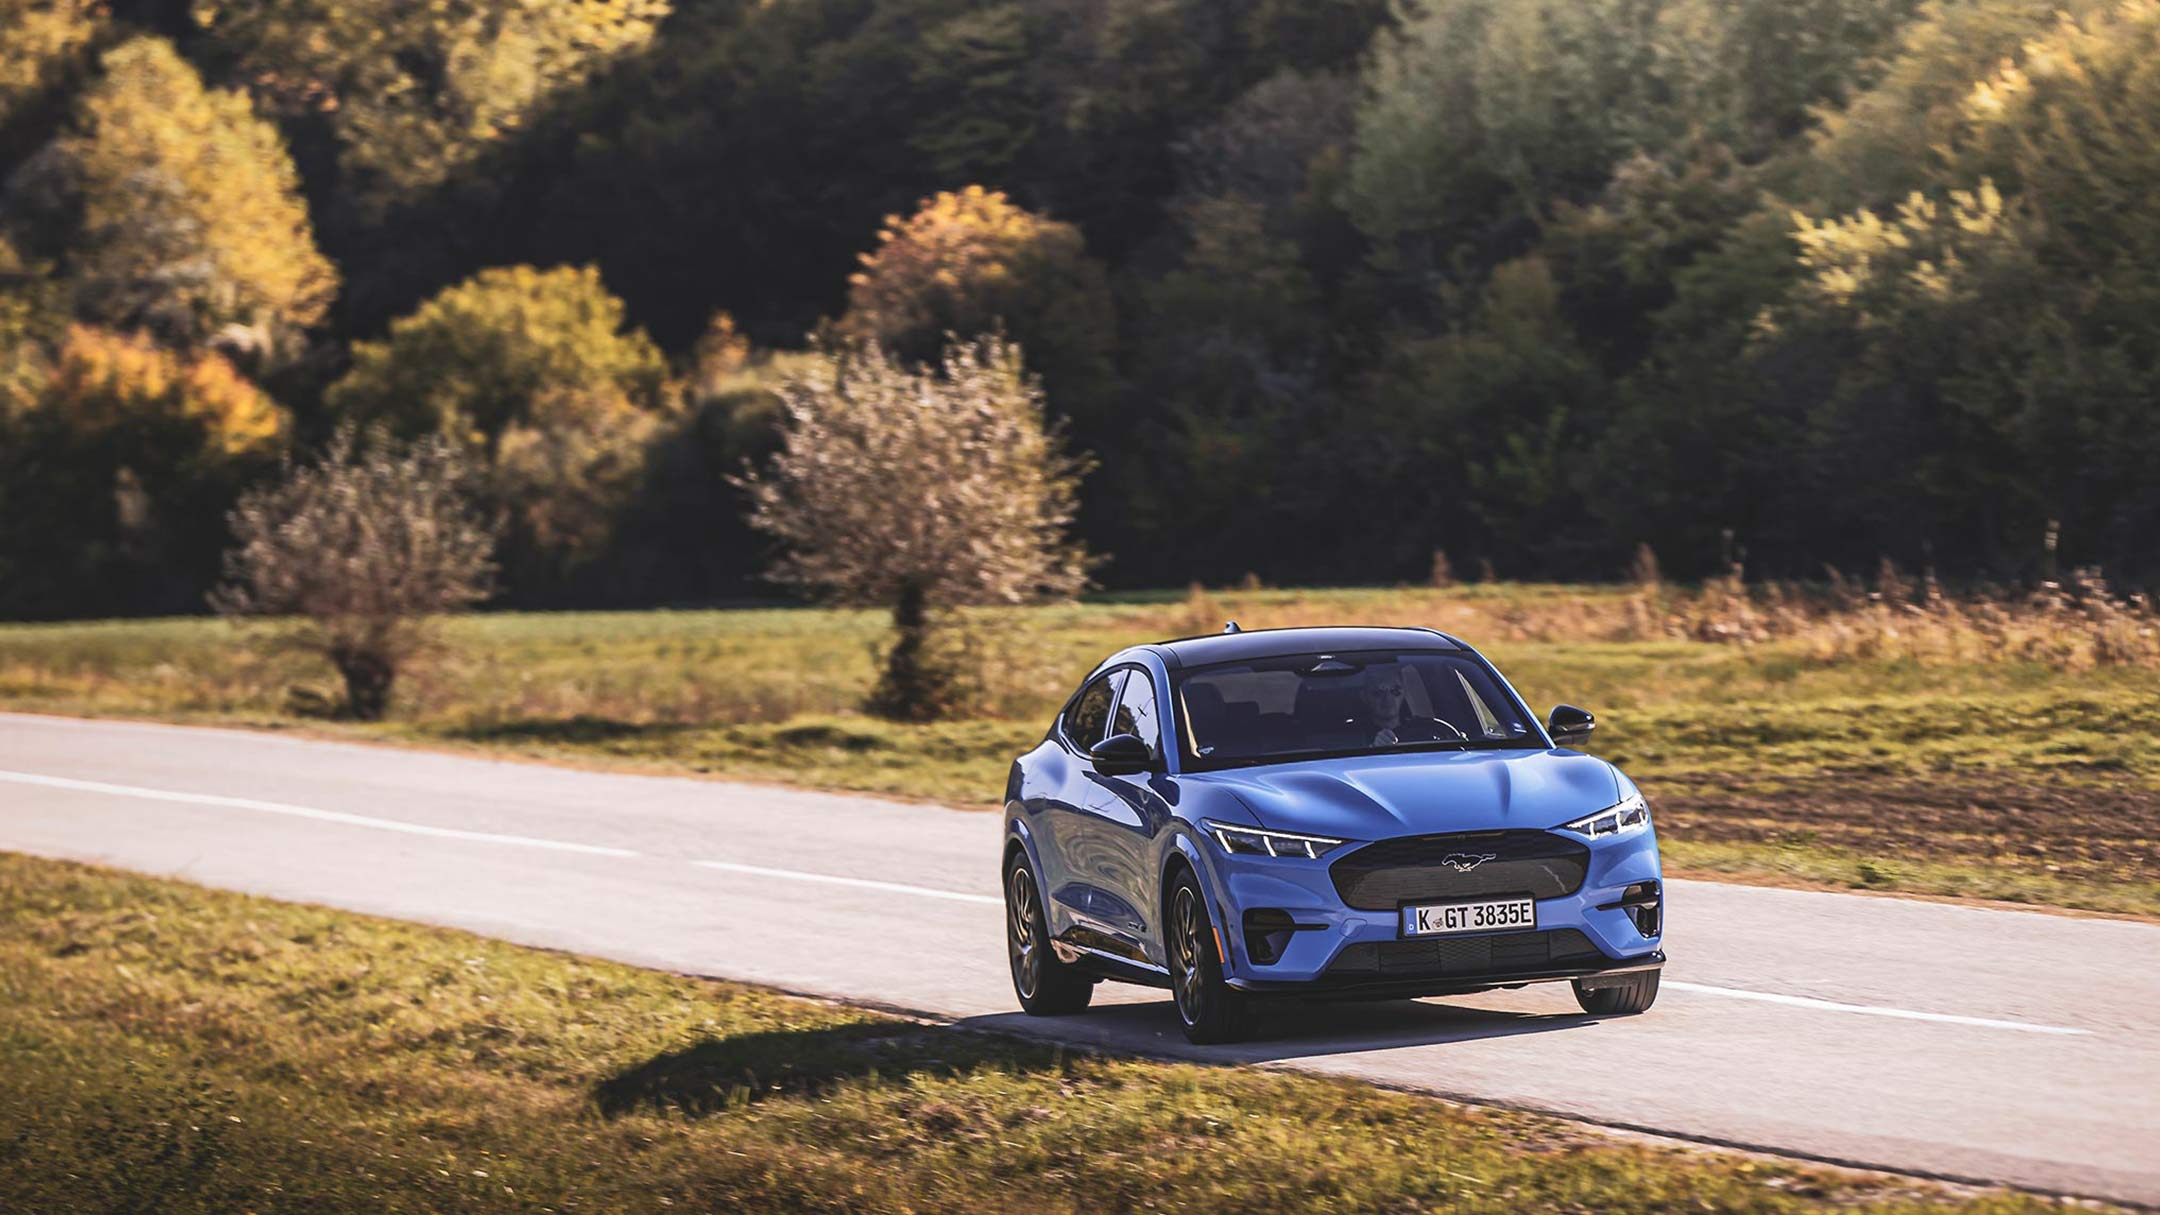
(1021, 914)
(1187, 915)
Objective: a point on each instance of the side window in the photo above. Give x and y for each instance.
(1136, 711)
(1085, 720)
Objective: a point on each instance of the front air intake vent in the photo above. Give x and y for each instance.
(1461, 865)
(1497, 954)
(1267, 934)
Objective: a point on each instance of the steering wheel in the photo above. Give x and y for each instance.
(1442, 721)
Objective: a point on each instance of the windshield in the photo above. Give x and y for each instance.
(1370, 702)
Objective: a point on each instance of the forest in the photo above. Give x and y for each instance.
(1321, 291)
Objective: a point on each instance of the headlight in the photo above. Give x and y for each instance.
(1251, 841)
(1629, 816)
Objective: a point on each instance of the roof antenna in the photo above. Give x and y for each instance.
(1230, 626)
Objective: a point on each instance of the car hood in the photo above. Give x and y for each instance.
(1370, 797)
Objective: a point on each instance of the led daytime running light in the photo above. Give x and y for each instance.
(1251, 841)
(1625, 818)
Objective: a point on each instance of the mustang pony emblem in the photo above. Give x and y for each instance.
(1464, 862)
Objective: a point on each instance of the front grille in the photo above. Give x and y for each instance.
(1468, 957)
(1384, 876)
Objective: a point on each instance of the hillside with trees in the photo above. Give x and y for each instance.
(1316, 289)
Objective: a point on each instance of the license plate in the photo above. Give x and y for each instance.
(1489, 915)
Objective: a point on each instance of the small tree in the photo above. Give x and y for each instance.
(918, 490)
(365, 549)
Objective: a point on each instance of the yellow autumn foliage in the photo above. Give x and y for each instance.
(104, 381)
(968, 262)
(415, 90)
(192, 218)
(37, 37)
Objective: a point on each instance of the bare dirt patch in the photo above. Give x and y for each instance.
(2085, 831)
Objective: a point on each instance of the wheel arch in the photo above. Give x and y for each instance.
(1184, 854)
(1018, 838)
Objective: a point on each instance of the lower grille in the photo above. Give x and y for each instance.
(1449, 957)
(1415, 869)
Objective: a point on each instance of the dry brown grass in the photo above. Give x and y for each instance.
(2077, 624)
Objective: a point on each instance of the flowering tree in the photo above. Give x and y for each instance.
(920, 489)
(361, 553)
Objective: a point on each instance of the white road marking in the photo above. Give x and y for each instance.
(484, 837)
(1872, 1010)
(865, 883)
(525, 841)
(308, 812)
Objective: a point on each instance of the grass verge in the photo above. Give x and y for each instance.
(1927, 773)
(173, 1049)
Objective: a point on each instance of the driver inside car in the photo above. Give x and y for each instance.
(1382, 697)
(1386, 712)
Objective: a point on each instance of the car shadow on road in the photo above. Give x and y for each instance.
(1289, 1029)
(716, 1074)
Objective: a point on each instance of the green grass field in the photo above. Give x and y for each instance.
(176, 1050)
(1967, 775)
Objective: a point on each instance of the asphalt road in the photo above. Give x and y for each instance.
(1953, 1041)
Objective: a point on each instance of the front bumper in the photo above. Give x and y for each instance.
(1341, 951)
(1341, 987)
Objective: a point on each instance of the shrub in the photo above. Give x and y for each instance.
(363, 551)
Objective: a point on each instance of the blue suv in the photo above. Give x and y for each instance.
(1345, 813)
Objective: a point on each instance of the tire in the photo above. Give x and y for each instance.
(1209, 1010)
(1622, 998)
(1046, 986)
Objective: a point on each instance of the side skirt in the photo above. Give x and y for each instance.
(1104, 965)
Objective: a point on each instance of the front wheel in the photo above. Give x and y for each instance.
(1046, 986)
(1619, 997)
(1209, 1009)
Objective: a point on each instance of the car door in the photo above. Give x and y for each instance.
(1062, 844)
(1126, 815)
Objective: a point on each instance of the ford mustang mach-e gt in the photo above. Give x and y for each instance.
(1336, 813)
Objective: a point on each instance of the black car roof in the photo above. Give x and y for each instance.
(1275, 643)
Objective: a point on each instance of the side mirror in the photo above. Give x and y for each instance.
(1122, 755)
(1570, 725)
